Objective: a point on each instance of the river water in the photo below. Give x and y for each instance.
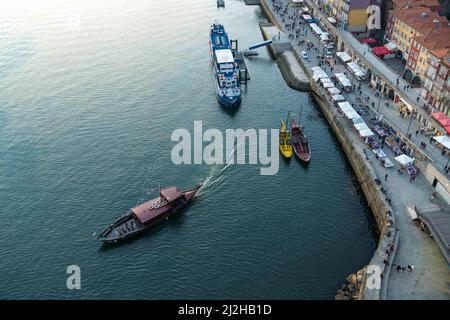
(90, 92)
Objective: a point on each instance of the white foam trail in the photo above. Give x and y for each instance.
(216, 174)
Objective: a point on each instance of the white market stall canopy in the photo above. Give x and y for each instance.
(444, 140)
(358, 120)
(404, 160)
(316, 28)
(332, 20)
(348, 110)
(318, 73)
(324, 37)
(343, 56)
(345, 105)
(343, 80)
(338, 97)
(366, 133)
(306, 17)
(334, 90)
(356, 69)
(326, 80)
(361, 126)
(328, 85)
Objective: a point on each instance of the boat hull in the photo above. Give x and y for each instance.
(285, 143)
(234, 102)
(286, 151)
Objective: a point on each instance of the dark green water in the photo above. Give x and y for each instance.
(90, 92)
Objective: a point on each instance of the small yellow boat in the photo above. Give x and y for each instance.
(285, 141)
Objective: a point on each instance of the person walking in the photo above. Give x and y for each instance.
(385, 177)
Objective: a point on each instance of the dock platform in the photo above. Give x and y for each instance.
(242, 64)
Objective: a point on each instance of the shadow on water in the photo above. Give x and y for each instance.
(303, 164)
(286, 160)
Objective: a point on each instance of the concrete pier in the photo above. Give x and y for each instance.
(282, 51)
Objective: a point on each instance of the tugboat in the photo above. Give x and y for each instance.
(225, 69)
(299, 142)
(150, 213)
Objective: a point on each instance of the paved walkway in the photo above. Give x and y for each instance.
(431, 278)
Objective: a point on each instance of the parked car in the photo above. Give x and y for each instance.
(305, 55)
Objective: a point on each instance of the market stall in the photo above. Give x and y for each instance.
(379, 153)
(334, 91)
(356, 70)
(343, 56)
(343, 81)
(443, 140)
(337, 98)
(327, 85)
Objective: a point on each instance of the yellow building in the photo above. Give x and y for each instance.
(350, 13)
(415, 31)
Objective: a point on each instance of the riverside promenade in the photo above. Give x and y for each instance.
(431, 276)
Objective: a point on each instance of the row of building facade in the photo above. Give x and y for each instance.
(422, 37)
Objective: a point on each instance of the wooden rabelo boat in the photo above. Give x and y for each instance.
(150, 213)
(300, 142)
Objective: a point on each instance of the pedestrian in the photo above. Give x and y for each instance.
(417, 99)
(398, 268)
(385, 177)
(417, 132)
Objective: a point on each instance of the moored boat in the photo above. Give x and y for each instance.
(285, 141)
(300, 142)
(150, 213)
(225, 69)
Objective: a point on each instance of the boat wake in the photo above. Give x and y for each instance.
(216, 174)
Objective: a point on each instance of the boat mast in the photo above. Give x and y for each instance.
(300, 116)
